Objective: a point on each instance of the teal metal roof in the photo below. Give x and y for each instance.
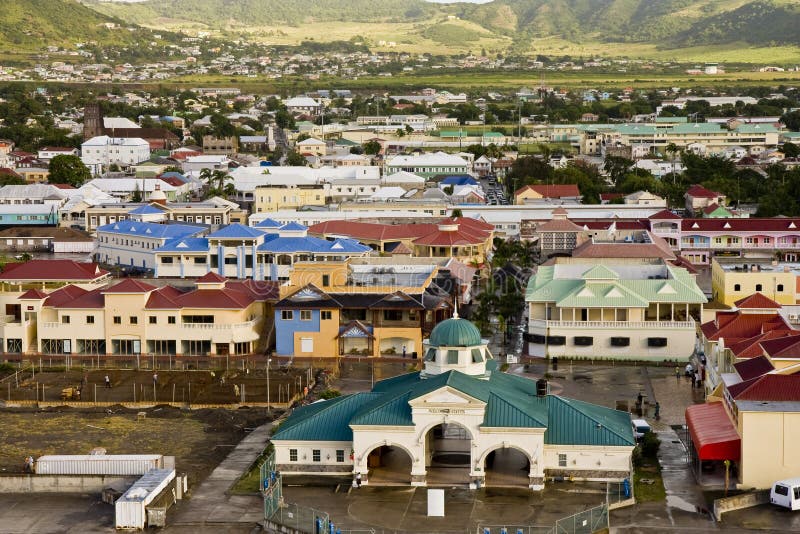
(324, 421)
(511, 402)
(581, 423)
(455, 333)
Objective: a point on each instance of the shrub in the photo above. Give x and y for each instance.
(330, 394)
(650, 445)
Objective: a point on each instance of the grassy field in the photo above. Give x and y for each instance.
(486, 81)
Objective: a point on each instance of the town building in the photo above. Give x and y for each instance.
(217, 317)
(698, 198)
(428, 165)
(458, 420)
(213, 212)
(613, 308)
(105, 150)
(534, 194)
(131, 244)
(733, 279)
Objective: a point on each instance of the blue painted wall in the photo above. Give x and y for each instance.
(285, 330)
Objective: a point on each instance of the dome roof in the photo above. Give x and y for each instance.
(455, 333)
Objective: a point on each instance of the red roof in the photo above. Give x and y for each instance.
(751, 225)
(713, 434)
(162, 299)
(48, 270)
(552, 191)
(757, 301)
(751, 347)
(211, 277)
(63, 186)
(610, 196)
(775, 388)
(754, 367)
(469, 228)
(735, 326)
(786, 347)
(33, 294)
(130, 285)
(172, 180)
(64, 295)
(698, 191)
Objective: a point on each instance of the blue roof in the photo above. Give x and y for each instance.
(185, 244)
(236, 231)
(294, 226)
(459, 179)
(173, 174)
(269, 223)
(145, 210)
(147, 229)
(311, 244)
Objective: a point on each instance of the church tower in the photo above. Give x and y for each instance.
(92, 121)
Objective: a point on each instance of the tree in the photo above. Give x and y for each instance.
(68, 169)
(284, 119)
(295, 159)
(372, 147)
(792, 120)
(790, 150)
(137, 194)
(617, 167)
(218, 183)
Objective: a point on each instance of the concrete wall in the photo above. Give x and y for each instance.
(738, 502)
(61, 483)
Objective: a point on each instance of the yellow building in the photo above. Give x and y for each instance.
(34, 175)
(274, 198)
(735, 280)
(312, 146)
(217, 317)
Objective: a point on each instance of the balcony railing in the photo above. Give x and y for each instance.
(220, 326)
(541, 323)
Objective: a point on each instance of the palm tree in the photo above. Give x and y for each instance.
(672, 149)
(218, 183)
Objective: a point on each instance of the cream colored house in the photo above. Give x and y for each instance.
(632, 308)
(312, 146)
(458, 421)
(274, 198)
(217, 317)
(737, 279)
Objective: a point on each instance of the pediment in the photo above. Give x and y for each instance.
(445, 396)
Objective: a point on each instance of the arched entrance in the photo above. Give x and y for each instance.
(448, 454)
(507, 466)
(389, 465)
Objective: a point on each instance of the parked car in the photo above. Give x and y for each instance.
(786, 493)
(640, 428)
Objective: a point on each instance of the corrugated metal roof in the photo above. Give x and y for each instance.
(324, 421)
(581, 423)
(502, 413)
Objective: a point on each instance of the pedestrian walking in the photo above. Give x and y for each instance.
(694, 379)
(29, 464)
(677, 373)
(404, 351)
(658, 411)
(108, 381)
(358, 479)
(639, 398)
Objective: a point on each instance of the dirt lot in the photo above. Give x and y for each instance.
(127, 385)
(198, 439)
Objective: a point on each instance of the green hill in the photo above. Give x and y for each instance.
(518, 25)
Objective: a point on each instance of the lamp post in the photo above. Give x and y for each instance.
(268, 405)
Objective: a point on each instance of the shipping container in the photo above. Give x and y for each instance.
(130, 509)
(102, 464)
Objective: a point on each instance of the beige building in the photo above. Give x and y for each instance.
(274, 198)
(618, 308)
(734, 279)
(312, 146)
(217, 317)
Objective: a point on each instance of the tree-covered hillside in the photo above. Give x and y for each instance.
(33, 24)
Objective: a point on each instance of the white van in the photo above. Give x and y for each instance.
(640, 428)
(786, 493)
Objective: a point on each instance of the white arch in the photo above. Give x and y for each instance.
(485, 454)
(386, 443)
(433, 425)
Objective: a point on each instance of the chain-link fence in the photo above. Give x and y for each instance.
(585, 522)
(302, 519)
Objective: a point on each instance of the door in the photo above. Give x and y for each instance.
(306, 344)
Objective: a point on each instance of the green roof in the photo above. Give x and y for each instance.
(511, 402)
(578, 291)
(493, 134)
(455, 333)
(582, 423)
(756, 128)
(670, 120)
(452, 133)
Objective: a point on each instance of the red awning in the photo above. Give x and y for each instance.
(713, 434)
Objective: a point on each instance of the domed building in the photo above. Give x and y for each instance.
(459, 421)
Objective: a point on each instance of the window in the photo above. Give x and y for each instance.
(316, 455)
(452, 357)
(305, 315)
(287, 315)
(292, 455)
(758, 287)
(90, 319)
(199, 260)
(781, 490)
(737, 287)
(620, 341)
(392, 315)
(326, 315)
(562, 460)
(153, 319)
(326, 280)
(65, 319)
(117, 319)
(779, 287)
(340, 455)
(166, 259)
(171, 319)
(134, 320)
(197, 319)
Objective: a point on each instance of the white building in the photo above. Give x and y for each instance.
(131, 243)
(459, 421)
(105, 150)
(428, 165)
